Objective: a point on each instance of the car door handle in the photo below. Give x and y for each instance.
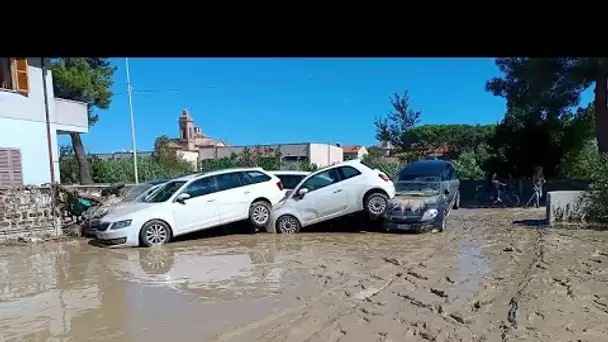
(211, 200)
(247, 192)
(339, 190)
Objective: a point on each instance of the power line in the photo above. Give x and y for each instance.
(266, 85)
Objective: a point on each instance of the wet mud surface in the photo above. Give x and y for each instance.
(494, 275)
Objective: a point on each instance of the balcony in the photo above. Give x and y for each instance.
(71, 116)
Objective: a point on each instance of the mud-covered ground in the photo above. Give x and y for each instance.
(494, 275)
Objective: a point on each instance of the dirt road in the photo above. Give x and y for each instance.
(485, 279)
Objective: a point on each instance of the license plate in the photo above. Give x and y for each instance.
(402, 226)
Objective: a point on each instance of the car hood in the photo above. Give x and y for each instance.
(126, 209)
(412, 204)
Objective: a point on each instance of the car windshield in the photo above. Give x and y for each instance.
(416, 177)
(290, 181)
(417, 188)
(137, 190)
(165, 192)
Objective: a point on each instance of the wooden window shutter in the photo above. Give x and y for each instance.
(21, 75)
(11, 172)
(5, 169)
(16, 167)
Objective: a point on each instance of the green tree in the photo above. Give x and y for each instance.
(167, 155)
(373, 154)
(547, 87)
(396, 124)
(458, 138)
(86, 80)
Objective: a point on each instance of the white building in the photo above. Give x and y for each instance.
(24, 133)
(354, 152)
(316, 153)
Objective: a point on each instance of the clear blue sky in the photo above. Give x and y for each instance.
(259, 101)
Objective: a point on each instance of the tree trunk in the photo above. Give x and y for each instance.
(81, 158)
(601, 112)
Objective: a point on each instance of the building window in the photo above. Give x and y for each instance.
(11, 172)
(14, 74)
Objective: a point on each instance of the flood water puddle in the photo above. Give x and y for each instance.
(186, 291)
(471, 268)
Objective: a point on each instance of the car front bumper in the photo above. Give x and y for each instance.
(125, 237)
(409, 224)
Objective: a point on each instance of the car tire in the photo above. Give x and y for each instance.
(155, 233)
(259, 214)
(457, 201)
(288, 224)
(375, 204)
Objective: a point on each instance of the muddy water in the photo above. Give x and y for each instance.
(186, 291)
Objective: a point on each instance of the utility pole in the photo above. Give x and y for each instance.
(129, 92)
(47, 120)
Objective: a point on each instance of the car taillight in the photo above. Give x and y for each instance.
(280, 185)
(384, 177)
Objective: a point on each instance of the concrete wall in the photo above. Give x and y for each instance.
(323, 154)
(564, 206)
(287, 150)
(319, 154)
(189, 156)
(69, 116)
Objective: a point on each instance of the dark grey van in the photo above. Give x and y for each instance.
(427, 190)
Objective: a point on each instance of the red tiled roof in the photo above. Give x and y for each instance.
(351, 149)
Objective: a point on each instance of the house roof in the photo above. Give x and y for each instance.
(351, 149)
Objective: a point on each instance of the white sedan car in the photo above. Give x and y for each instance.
(334, 191)
(191, 203)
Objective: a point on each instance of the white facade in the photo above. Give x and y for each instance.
(23, 122)
(320, 154)
(354, 152)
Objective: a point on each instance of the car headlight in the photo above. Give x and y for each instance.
(429, 214)
(120, 224)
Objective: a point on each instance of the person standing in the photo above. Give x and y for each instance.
(496, 187)
(538, 180)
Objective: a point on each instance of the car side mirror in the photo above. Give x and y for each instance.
(181, 198)
(302, 192)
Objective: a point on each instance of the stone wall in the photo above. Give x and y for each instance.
(26, 210)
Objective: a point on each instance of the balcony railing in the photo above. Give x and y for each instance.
(71, 116)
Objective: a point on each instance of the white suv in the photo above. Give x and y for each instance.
(193, 203)
(334, 191)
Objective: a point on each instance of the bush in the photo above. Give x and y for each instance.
(121, 170)
(597, 196)
(468, 167)
(273, 162)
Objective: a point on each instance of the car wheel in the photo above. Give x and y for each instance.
(288, 224)
(457, 201)
(376, 204)
(155, 233)
(259, 214)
